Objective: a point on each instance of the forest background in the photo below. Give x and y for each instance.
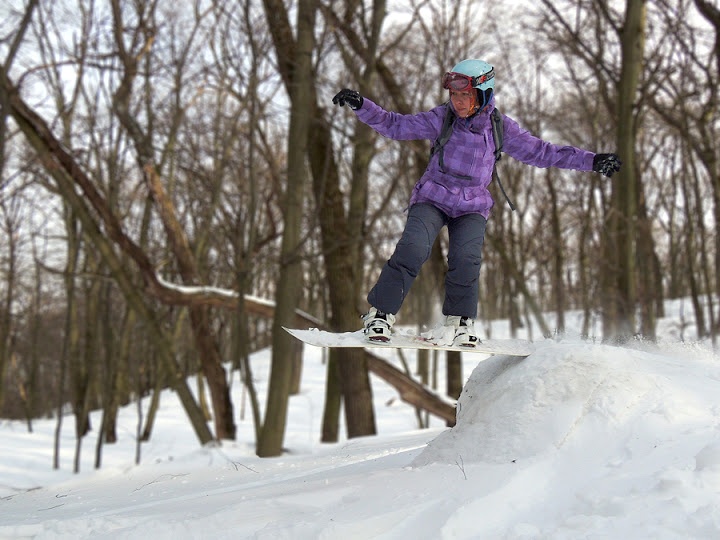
(176, 186)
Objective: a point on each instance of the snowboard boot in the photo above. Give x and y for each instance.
(378, 325)
(464, 331)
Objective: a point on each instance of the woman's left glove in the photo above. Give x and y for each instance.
(351, 97)
(606, 164)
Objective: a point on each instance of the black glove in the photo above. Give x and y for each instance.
(606, 164)
(351, 97)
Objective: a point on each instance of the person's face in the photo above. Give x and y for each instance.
(464, 102)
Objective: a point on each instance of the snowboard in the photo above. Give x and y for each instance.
(405, 340)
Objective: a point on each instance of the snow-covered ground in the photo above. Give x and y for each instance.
(579, 440)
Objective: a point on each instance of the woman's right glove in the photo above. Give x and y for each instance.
(351, 97)
(606, 164)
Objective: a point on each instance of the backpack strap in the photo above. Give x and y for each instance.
(444, 137)
(497, 130)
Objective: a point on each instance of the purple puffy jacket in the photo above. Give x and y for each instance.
(462, 188)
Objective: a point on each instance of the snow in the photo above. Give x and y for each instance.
(199, 289)
(578, 440)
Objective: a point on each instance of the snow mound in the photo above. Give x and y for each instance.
(596, 399)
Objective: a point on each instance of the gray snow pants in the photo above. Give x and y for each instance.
(424, 222)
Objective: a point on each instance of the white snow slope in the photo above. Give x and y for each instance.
(576, 441)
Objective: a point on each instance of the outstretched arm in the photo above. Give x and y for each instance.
(424, 125)
(525, 147)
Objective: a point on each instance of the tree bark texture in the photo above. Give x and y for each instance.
(284, 351)
(620, 290)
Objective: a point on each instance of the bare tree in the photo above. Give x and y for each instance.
(9, 227)
(690, 109)
(298, 73)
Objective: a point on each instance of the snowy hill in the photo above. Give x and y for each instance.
(576, 441)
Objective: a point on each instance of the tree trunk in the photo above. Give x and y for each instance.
(650, 292)
(707, 144)
(6, 315)
(558, 259)
(454, 374)
(620, 286)
(205, 339)
(290, 279)
(343, 242)
(85, 364)
(333, 400)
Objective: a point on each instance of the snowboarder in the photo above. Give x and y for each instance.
(453, 192)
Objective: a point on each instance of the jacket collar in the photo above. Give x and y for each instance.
(482, 115)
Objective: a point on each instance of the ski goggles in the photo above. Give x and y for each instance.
(460, 82)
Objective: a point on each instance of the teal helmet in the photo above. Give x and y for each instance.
(477, 69)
